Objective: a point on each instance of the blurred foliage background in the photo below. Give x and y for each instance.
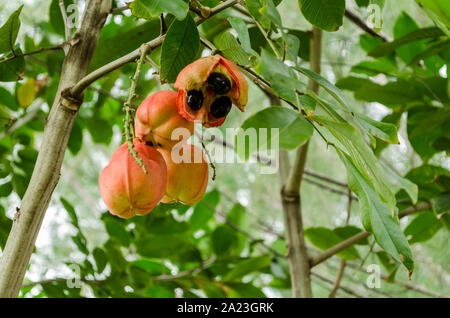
(231, 244)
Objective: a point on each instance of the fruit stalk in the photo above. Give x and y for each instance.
(128, 121)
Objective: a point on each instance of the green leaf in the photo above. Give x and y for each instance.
(352, 83)
(13, 69)
(325, 14)
(361, 156)
(238, 215)
(327, 85)
(150, 266)
(231, 49)
(441, 203)
(166, 225)
(254, 7)
(6, 189)
(362, 3)
(100, 259)
(440, 7)
(376, 216)
(290, 130)
(55, 16)
(5, 116)
(242, 290)
(204, 210)
(434, 49)
(76, 138)
(174, 247)
(80, 242)
(100, 129)
(393, 93)
(130, 39)
(324, 238)
(304, 38)
(372, 68)
(241, 29)
(397, 183)
(9, 31)
(416, 35)
(71, 211)
(179, 48)
(115, 256)
(422, 228)
(5, 226)
(270, 10)
(148, 9)
(116, 230)
(223, 239)
(7, 99)
(384, 131)
(345, 232)
(293, 46)
(389, 264)
(283, 79)
(247, 266)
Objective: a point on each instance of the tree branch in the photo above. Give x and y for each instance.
(319, 258)
(186, 273)
(22, 237)
(42, 49)
(405, 285)
(363, 26)
(290, 197)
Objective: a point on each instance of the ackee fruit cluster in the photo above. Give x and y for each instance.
(175, 171)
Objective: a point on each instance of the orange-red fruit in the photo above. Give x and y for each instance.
(187, 174)
(126, 189)
(157, 117)
(194, 78)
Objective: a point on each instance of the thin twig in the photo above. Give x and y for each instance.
(60, 280)
(237, 228)
(43, 49)
(186, 273)
(29, 115)
(119, 9)
(405, 285)
(326, 187)
(319, 258)
(343, 263)
(363, 26)
(330, 281)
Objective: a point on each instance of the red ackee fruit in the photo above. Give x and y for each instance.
(187, 174)
(124, 186)
(157, 117)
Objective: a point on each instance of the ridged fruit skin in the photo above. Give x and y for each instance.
(157, 117)
(195, 76)
(186, 181)
(125, 188)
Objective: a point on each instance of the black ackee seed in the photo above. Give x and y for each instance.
(195, 99)
(221, 107)
(219, 83)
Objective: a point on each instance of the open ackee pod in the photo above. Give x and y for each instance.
(208, 87)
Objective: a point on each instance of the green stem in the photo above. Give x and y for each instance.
(128, 126)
